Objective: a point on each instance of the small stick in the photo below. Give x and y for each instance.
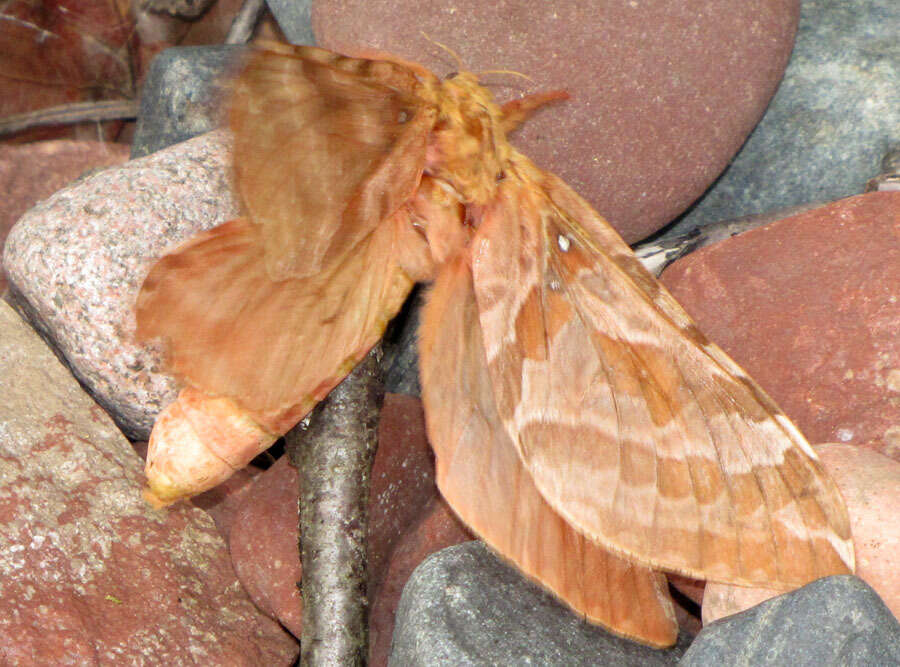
(334, 455)
(245, 22)
(79, 112)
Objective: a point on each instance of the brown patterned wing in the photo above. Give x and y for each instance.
(326, 147)
(633, 427)
(274, 347)
(482, 477)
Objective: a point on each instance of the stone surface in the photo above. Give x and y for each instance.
(264, 533)
(263, 545)
(835, 114)
(89, 573)
(436, 529)
(464, 606)
(183, 96)
(76, 261)
(832, 621)
(870, 484)
(664, 93)
(810, 306)
(31, 172)
(224, 501)
(293, 17)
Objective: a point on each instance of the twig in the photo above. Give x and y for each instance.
(334, 455)
(65, 114)
(245, 22)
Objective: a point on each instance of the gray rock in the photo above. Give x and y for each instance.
(76, 261)
(89, 573)
(183, 96)
(832, 622)
(834, 116)
(293, 17)
(464, 606)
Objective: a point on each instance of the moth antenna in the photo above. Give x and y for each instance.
(459, 62)
(504, 71)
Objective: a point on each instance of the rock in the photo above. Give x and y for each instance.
(89, 573)
(832, 621)
(75, 263)
(31, 172)
(870, 484)
(223, 502)
(809, 306)
(836, 111)
(184, 95)
(664, 94)
(401, 347)
(264, 534)
(293, 18)
(463, 605)
(436, 529)
(264, 545)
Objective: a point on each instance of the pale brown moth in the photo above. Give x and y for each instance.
(582, 426)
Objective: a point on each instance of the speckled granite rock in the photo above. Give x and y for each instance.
(832, 621)
(89, 573)
(870, 484)
(810, 306)
(183, 96)
(464, 606)
(664, 93)
(264, 533)
(835, 114)
(30, 172)
(76, 261)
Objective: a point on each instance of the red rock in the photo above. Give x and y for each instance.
(31, 172)
(870, 484)
(664, 93)
(436, 529)
(810, 307)
(223, 502)
(264, 545)
(89, 573)
(264, 536)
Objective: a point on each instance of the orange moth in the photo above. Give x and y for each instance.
(582, 426)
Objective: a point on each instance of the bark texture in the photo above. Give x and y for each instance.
(334, 454)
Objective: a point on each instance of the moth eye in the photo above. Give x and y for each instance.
(500, 176)
(451, 75)
(564, 242)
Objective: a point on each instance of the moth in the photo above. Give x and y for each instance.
(582, 425)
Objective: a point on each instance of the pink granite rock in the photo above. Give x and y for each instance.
(31, 172)
(810, 306)
(76, 262)
(870, 483)
(264, 533)
(664, 93)
(89, 573)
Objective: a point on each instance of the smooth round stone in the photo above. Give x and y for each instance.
(836, 113)
(663, 93)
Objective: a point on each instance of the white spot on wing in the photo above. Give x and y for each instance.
(564, 242)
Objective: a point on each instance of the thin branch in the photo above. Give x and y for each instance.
(245, 22)
(334, 455)
(65, 114)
